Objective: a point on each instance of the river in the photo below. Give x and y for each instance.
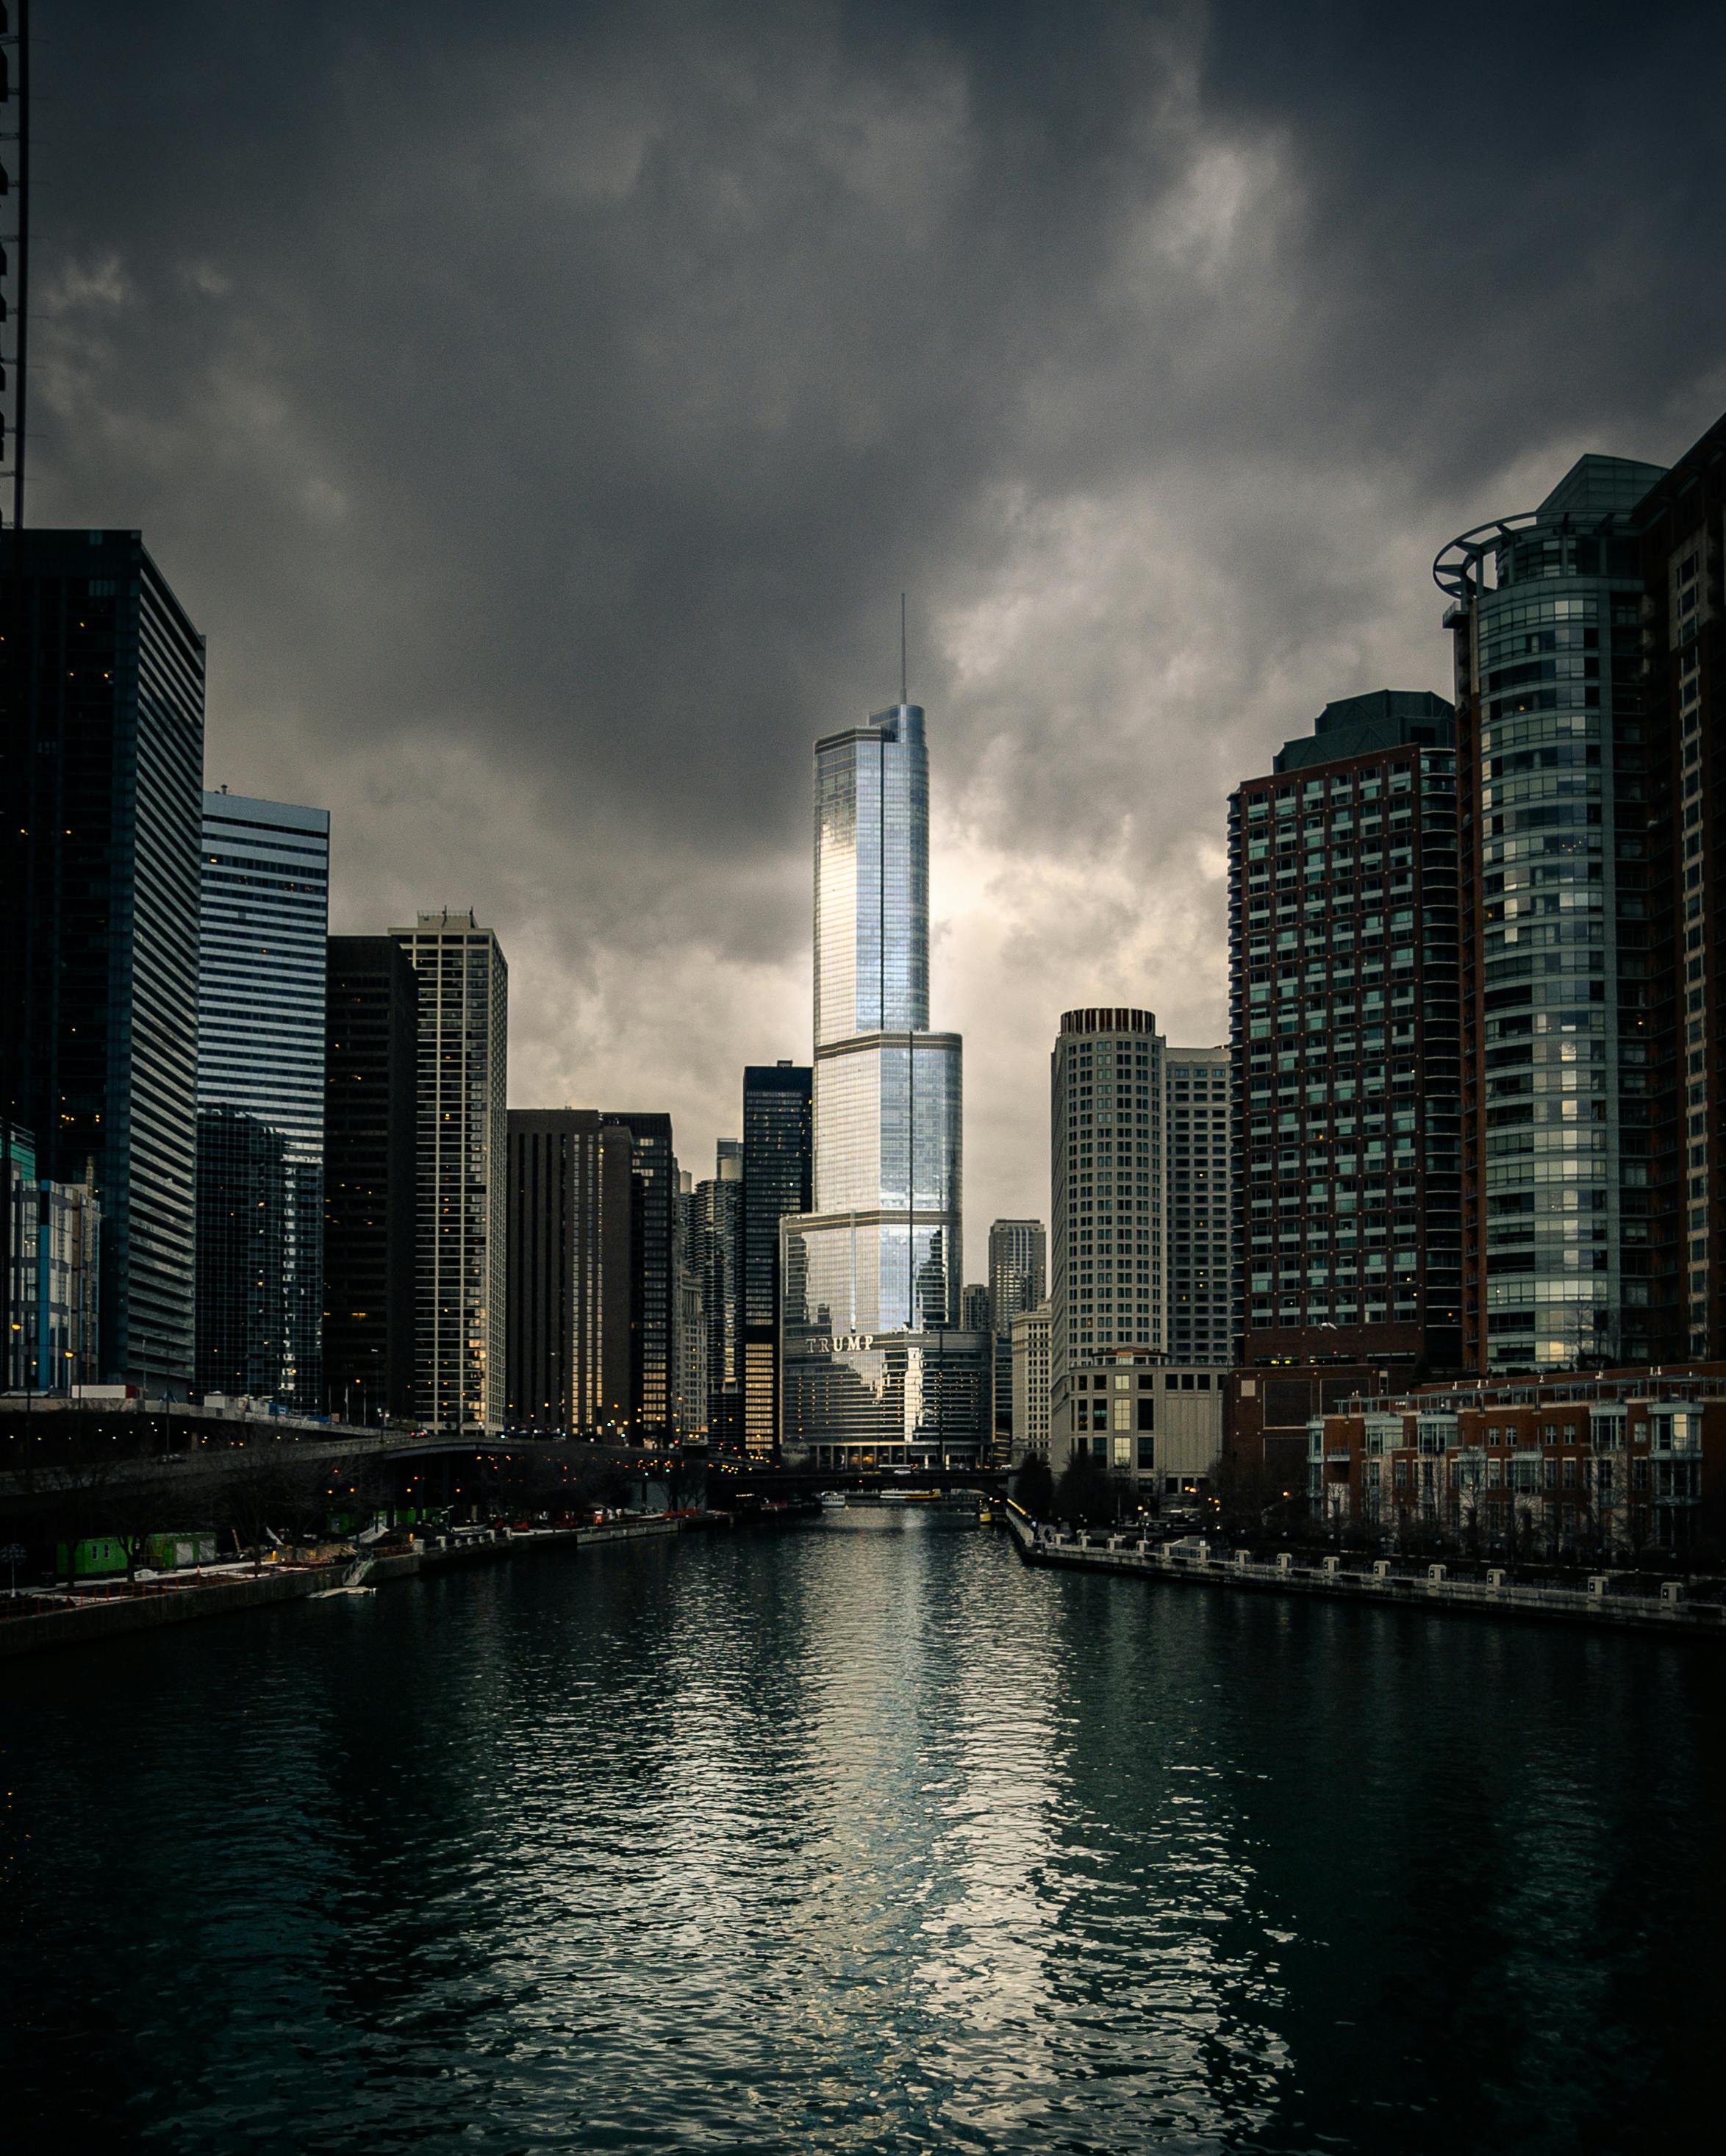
(856, 1837)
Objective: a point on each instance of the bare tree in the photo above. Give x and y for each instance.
(262, 1487)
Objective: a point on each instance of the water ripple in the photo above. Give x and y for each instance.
(860, 1839)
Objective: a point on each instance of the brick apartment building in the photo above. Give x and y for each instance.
(1623, 1461)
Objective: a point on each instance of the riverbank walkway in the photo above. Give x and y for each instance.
(80, 1618)
(1603, 1599)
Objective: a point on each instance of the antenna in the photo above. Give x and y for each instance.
(15, 182)
(902, 647)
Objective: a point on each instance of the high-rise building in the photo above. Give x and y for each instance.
(974, 1308)
(654, 1370)
(1344, 1017)
(1018, 1268)
(1116, 1386)
(778, 1163)
(17, 1259)
(1106, 1184)
(262, 966)
(1198, 1222)
(244, 1240)
(690, 1393)
(1028, 1340)
(371, 1152)
(49, 1287)
(571, 1240)
(874, 1369)
(68, 1287)
(1563, 823)
(718, 1227)
(1106, 1289)
(461, 1261)
(1018, 1280)
(100, 798)
(1682, 522)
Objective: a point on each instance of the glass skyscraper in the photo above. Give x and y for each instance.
(571, 1271)
(1547, 608)
(717, 1221)
(1018, 1281)
(263, 931)
(876, 1369)
(653, 1274)
(777, 1158)
(103, 717)
(371, 1142)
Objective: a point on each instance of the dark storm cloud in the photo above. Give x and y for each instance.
(542, 411)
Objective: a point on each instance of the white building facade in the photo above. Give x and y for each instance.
(1131, 1152)
(1030, 1334)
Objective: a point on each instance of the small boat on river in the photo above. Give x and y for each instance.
(831, 1501)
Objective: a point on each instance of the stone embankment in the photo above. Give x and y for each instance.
(178, 1600)
(1604, 1599)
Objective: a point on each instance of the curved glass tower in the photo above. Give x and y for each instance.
(874, 1369)
(1552, 786)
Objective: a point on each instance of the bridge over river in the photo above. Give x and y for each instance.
(66, 1468)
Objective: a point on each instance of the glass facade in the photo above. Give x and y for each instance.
(245, 1249)
(718, 1237)
(372, 1026)
(778, 1167)
(872, 879)
(1547, 612)
(51, 1242)
(880, 1253)
(17, 1254)
(104, 706)
(571, 1215)
(689, 1404)
(1018, 1281)
(69, 1251)
(1683, 543)
(262, 971)
(460, 1287)
(895, 1399)
(1018, 1269)
(654, 1373)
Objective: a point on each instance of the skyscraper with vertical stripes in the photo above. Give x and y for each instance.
(460, 1286)
(262, 970)
(100, 807)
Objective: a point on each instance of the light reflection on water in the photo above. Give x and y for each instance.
(859, 1838)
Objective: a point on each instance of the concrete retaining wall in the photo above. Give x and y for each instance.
(77, 1626)
(74, 1626)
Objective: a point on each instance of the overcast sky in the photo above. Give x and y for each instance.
(541, 409)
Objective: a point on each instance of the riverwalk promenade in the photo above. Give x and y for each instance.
(180, 1597)
(1603, 1599)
